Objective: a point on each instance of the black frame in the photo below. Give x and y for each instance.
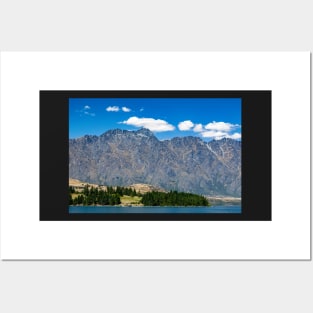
(256, 155)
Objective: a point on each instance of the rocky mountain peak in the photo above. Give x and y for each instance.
(122, 157)
(145, 132)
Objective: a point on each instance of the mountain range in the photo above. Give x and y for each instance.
(122, 158)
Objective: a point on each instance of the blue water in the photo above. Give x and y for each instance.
(116, 209)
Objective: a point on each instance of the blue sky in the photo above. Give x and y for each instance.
(207, 118)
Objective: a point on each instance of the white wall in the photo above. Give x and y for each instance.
(46, 286)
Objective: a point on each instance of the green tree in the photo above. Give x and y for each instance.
(70, 199)
(173, 198)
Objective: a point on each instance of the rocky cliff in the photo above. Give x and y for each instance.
(120, 157)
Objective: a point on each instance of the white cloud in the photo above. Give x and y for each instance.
(86, 111)
(213, 134)
(152, 124)
(117, 109)
(217, 135)
(113, 109)
(198, 128)
(220, 126)
(185, 125)
(234, 136)
(125, 109)
(90, 114)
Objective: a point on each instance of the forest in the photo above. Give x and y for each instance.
(113, 195)
(98, 196)
(173, 198)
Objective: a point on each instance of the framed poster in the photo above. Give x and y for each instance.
(116, 159)
(268, 94)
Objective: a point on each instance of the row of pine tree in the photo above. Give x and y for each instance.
(97, 196)
(173, 198)
(112, 196)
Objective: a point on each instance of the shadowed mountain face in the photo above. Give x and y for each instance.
(120, 157)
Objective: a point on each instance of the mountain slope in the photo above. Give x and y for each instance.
(120, 157)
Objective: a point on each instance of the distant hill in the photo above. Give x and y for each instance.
(144, 188)
(77, 184)
(189, 164)
(140, 188)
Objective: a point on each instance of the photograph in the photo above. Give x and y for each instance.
(154, 155)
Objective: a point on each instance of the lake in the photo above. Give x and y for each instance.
(180, 210)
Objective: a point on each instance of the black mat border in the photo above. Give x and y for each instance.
(256, 155)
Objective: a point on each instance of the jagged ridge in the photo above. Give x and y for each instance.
(121, 157)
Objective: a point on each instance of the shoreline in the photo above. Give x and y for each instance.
(156, 206)
(221, 200)
(143, 206)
